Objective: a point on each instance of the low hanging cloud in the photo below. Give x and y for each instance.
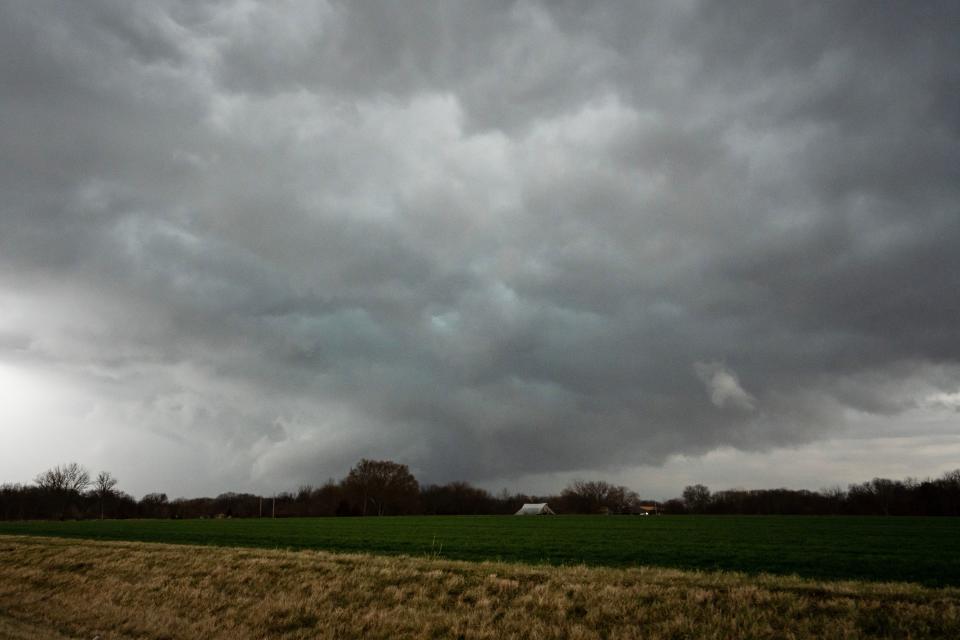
(723, 386)
(948, 401)
(244, 244)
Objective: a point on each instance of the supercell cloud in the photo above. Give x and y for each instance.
(244, 244)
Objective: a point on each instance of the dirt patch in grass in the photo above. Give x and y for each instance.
(59, 588)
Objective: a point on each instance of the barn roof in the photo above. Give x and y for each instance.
(535, 508)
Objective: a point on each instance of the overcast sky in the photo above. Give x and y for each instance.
(243, 245)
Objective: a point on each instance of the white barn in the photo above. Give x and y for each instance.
(539, 509)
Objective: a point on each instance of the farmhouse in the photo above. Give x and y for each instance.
(535, 509)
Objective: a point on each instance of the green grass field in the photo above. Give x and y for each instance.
(922, 550)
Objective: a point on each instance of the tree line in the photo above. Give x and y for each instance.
(878, 497)
(384, 487)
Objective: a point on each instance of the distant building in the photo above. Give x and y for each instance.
(540, 509)
(648, 509)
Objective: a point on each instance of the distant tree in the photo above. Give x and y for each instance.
(884, 493)
(881, 496)
(949, 488)
(70, 477)
(382, 487)
(154, 505)
(63, 486)
(242, 505)
(103, 488)
(316, 501)
(834, 498)
(192, 508)
(673, 506)
(597, 496)
(696, 497)
(328, 499)
(457, 498)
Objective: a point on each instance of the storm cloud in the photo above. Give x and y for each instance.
(244, 244)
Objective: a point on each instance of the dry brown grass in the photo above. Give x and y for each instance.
(57, 588)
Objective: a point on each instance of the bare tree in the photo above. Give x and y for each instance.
(597, 496)
(64, 483)
(952, 477)
(835, 497)
(696, 497)
(156, 505)
(384, 486)
(70, 477)
(103, 488)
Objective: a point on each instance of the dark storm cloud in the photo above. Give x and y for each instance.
(489, 241)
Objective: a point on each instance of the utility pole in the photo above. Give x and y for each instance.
(261, 506)
(274, 514)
